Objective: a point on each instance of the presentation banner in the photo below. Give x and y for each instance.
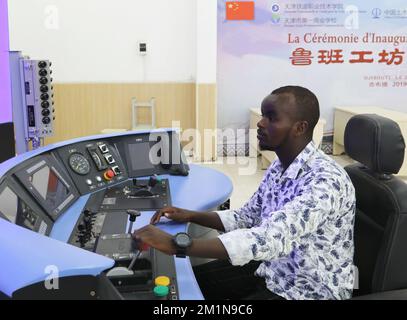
(349, 54)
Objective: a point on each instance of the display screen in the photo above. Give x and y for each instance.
(9, 204)
(16, 210)
(140, 156)
(49, 186)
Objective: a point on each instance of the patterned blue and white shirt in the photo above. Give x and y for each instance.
(300, 224)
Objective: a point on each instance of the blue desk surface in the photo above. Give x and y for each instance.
(25, 254)
(28, 257)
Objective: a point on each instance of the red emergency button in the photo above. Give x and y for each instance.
(108, 175)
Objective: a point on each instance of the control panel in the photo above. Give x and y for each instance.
(93, 165)
(105, 227)
(143, 194)
(37, 190)
(88, 230)
(38, 97)
(139, 272)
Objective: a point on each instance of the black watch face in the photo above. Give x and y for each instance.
(183, 240)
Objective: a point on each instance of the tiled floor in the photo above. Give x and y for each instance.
(244, 184)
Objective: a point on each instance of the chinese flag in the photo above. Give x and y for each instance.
(240, 10)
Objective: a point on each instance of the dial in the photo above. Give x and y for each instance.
(79, 164)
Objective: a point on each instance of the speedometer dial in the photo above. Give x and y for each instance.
(79, 164)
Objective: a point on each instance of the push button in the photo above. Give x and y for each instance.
(162, 281)
(160, 291)
(108, 175)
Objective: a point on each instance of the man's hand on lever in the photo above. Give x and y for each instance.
(173, 213)
(206, 219)
(155, 238)
(163, 241)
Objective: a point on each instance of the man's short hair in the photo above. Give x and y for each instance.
(306, 102)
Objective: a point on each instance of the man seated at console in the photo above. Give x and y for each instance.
(294, 238)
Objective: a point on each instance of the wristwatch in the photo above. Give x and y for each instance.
(182, 242)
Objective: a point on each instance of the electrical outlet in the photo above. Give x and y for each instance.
(142, 48)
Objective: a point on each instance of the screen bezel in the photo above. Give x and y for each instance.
(38, 163)
(4, 186)
(29, 201)
(134, 140)
(159, 168)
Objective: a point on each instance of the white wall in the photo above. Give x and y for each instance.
(96, 40)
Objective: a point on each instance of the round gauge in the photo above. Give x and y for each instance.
(79, 164)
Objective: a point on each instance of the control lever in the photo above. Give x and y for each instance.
(141, 247)
(147, 190)
(153, 181)
(123, 271)
(87, 213)
(133, 214)
(133, 261)
(88, 218)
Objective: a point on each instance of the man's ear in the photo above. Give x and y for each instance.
(301, 128)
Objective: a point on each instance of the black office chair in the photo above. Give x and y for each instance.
(381, 201)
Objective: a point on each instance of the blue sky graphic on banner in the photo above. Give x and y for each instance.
(347, 53)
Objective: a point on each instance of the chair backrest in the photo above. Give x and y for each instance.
(381, 201)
